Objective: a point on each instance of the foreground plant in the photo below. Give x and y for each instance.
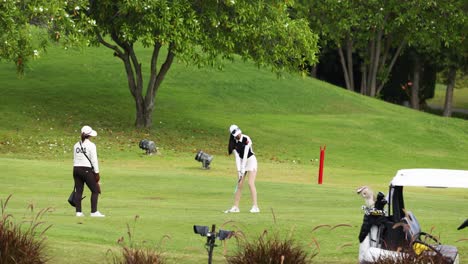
(135, 254)
(412, 258)
(271, 250)
(22, 245)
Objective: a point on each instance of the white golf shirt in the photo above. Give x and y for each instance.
(79, 159)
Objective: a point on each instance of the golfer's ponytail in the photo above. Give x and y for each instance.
(232, 144)
(83, 137)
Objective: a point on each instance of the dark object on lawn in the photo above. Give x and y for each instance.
(71, 200)
(204, 158)
(211, 237)
(465, 224)
(149, 146)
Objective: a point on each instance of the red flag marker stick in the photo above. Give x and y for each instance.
(322, 158)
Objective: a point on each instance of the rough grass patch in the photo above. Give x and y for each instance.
(19, 244)
(137, 254)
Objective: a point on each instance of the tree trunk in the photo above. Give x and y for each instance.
(375, 63)
(349, 59)
(343, 66)
(416, 82)
(155, 80)
(363, 79)
(371, 52)
(392, 63)
(347, 63)
(313, 71)
(144, 105)
(449, 92)
(143, 117)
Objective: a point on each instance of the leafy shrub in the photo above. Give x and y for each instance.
(22, 245)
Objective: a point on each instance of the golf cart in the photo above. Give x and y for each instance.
(396, 233)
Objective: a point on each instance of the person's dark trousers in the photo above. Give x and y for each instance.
(83, 175)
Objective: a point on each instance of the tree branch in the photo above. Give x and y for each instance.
(154, 57)
(371, 61)
(349, 55)
(345, 70)
(375, 63)
(101, 40)
(154, 70)
(160, 76)
(385, 53)
(392, 63)
(137, 66)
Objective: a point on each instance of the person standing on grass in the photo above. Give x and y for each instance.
(246, 163)
(86, 170)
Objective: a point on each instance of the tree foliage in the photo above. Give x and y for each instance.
(376, 33)
(18, 27)
(196, 32)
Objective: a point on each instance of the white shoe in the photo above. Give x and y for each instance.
(97, 214)
(79, 214)
(255, 209)
(234, 209)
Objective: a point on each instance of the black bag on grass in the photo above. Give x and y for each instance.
(71, 198)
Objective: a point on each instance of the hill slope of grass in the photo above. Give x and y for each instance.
(288, 119)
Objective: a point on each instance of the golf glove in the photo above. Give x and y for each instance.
(242, 171)
(240, 175)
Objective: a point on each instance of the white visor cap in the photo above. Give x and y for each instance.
(236, 132)
(88, 131)
(232, 128)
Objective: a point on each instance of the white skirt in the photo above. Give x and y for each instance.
(251, 164)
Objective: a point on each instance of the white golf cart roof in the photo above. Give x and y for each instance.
(440, 178)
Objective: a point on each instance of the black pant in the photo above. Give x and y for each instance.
(83, 175)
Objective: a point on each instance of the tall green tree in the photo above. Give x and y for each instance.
(336, 22)
(438, 32)
(375, 31)
(378, 31)
(196, 32)
(453, 54)
(19, 22)
(455, 64)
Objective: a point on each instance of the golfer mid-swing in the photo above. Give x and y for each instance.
(246, 163)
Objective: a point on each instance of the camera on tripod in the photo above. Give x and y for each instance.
(204, 158)
(148, 146)
(211, 237)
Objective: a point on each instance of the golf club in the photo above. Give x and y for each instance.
(238, 181)
(237, 187)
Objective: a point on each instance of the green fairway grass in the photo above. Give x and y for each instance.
(288, 119)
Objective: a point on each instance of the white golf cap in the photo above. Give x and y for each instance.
(88, 131)
(236, 132)
(232, 128)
